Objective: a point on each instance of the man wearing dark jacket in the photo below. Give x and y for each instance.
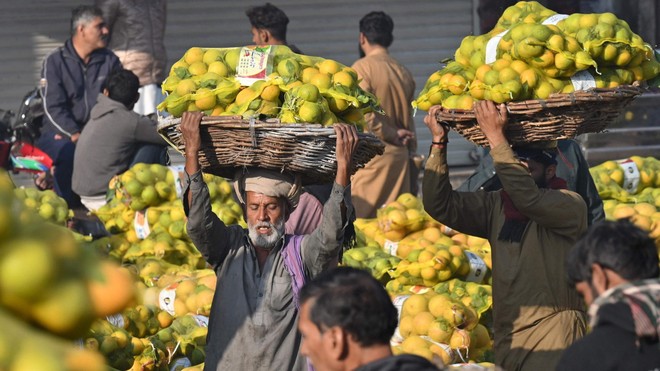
(614, 266)
(72, 77)
(114, 139)
(346, 321)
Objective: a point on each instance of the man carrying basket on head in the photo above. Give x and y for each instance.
(531, 225)
(260, 269)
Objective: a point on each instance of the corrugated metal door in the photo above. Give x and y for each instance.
(426, 31)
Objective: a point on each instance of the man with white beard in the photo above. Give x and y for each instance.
(260, 270)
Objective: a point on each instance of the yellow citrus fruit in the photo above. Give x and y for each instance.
(310, 112)
(185, 86)
(307, 74)
(477, 89)
(543, 90)
(231, 58)
(337, 105)
(508, 74)
(518, 66)
(457, 84)
(204, 99)
(270, 93)
(414, 305)
(544, 60)
(563, 61)
(529, 48)
(344, 78)
(308, 92)
(321, 80)
(212, 55)
(288, 67)
(217, 110)
(588, 20)
(329, 67)
(243, 96)
(465, 102)
(197, 68)
(422, 321)
(481, 72)
(218, 67)
(491, 78)
(499, 64)
(529, 77)
(194, 55)
(556, 43)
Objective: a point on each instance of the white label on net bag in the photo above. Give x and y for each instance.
(254, 64)
(116, 320)
(630, 175)
(554, 19)
(583, 80)
(166, 298)
(391, 247)
(180, 364)
(398, 301)
(478, 268)
(141, 224)
(202, 321)
(177, 172)
(491, 47)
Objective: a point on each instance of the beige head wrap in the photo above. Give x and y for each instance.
(268, 182)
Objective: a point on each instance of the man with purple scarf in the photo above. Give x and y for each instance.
(260, 269)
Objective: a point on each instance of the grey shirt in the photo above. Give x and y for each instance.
(253, 321)
(107, 145)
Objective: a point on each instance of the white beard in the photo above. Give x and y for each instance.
(267, 242)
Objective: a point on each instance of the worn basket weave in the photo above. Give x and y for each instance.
(230, 142)
(560, 116)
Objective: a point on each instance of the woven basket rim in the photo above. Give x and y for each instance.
(536, 119)
(231, 142)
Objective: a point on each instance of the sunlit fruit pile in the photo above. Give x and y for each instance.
(534, 52)
(296, 89)
(630, 188)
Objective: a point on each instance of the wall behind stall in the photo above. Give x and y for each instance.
(426, 31)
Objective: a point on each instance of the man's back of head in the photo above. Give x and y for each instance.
(270, 18)
(353, 300)
(619, 246)
(122, 86)
(377, 27)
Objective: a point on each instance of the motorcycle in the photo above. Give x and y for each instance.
(18, 133)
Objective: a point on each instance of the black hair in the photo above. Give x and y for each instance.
(377, 27)
(269, 17)
(617, 245)
(353, 300)
(83, 14)
(123, 87)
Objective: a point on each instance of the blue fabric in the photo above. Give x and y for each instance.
(150, 154)
(61, 151)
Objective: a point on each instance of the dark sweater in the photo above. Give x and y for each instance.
(611, 345)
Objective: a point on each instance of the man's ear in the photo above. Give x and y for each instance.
(598, 278)
(265, 36)
(362, 39)
(337, 343)
(550, 171)
(106, 92)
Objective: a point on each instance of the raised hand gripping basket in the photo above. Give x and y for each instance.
(230, 142)
(561, 116)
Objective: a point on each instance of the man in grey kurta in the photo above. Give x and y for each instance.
(253, 319)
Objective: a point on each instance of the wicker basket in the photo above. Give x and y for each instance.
(230, 142)
(561, 116)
